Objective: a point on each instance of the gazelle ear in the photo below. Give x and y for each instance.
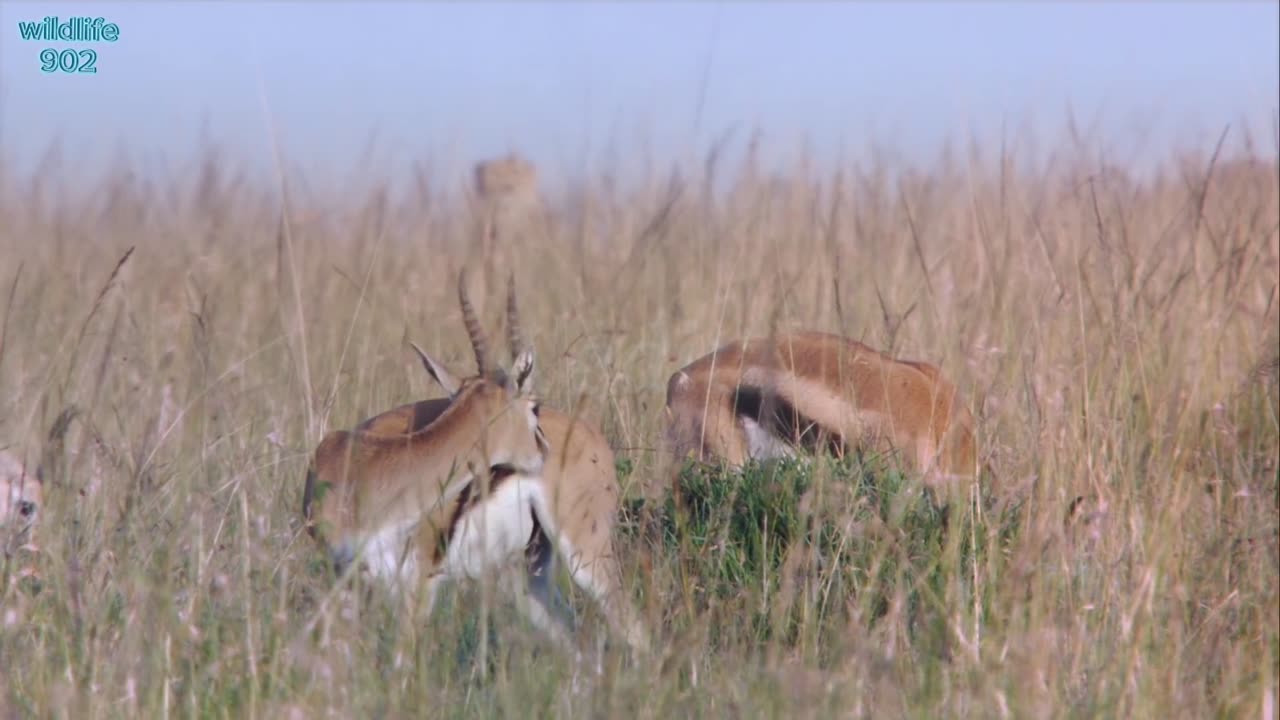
(438, 372)
(522, 369)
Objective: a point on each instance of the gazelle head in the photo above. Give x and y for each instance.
(512, 437)
(20, 498)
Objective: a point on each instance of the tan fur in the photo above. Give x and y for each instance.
(364, 488)
(373, 480)
(506, 176)
(580, 475)
(509, 205)
(851, 394)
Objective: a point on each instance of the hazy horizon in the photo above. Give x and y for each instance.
(378, 87)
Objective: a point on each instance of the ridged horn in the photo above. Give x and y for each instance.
(515, 338)
(476, 333)
(422, 354)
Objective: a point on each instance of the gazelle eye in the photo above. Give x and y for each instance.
(537, 408)
(26, 508)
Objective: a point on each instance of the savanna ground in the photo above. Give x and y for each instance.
(1115, 337)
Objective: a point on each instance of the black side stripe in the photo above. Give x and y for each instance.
(780, 417)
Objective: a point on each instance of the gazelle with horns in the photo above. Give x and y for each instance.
(765, 397)
(456, 487)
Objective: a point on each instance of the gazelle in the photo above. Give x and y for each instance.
(763, 397)
(20, 501)
(431, 495)
(22, 498)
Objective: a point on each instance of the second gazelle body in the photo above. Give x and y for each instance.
(764, 397)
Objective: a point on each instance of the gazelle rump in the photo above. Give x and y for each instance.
(764, 397)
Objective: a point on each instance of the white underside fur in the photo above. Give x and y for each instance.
(384, 550)
(494, 531)
(762, 444)
(490, 534)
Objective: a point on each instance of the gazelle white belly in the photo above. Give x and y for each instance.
(385, 555)
(494, 530)
(762, 444)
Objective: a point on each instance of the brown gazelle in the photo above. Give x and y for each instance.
(763, 397)
(478, 521)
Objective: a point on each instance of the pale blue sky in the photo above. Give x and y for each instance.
(451, 81)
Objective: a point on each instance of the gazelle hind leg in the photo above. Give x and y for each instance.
(542, 601)
(546, 621)
(592, 565)
(423, 603)
(724, 438)
(600, 575)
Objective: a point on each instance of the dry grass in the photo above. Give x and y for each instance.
(1116, 338)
